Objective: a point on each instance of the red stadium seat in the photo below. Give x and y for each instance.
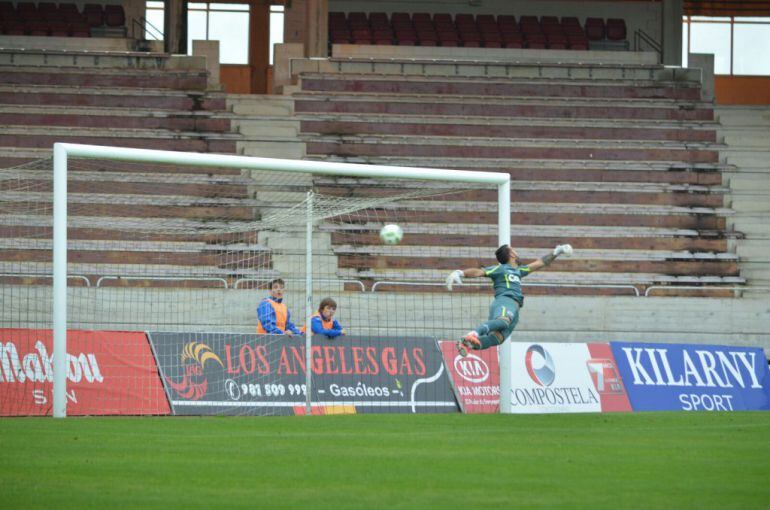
(26, 11)
(421, 17)
(595, 29)
(616, 29)
(48, 11)
(449, 35)
(486, 20)
(15, 28)
(114, 16)
(94, 14)
(379, 21)
(465, 19)
(427, 38)
(80, 29)
(59, 29)
(340, 37)
(39, 28)
(357, 18)
(69, 13)
(442, 18)
(400, 17)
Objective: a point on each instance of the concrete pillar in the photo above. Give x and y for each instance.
(671, 31)
(294, 22)
(704, 62)
(134, 10)
(209, 50)
(316, 28)
(282, 57)
(175, 26)
(259, 45)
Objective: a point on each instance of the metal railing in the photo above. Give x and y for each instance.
(640, 36)
(315, 280)
(529, 284)
(34, 275)
(146, 30)
(707, 288)
(164, 278)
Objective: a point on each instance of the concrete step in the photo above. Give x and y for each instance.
(93, 58)
(754, 159)
(749, 203)
(492, 69)
(510, 120)
(41, 197)
(746, 137)
(128, 76)
(350, 186)
(42, 137)
(755, 251)
(107, 226)
(580, 256)
(553, 276)
(576, 165)
(484, 106)
(554, 192)
(458, 147)
(748, 182)
(266, 127)
(111, 97)
(482, 56)
(465, 85)
(743, 116)
(131, 184)
(281, 149)
(527, 231)
(95, 270)
(510, 128)
(76, 174)
(260, 105)
(160, 248)
(178, 120)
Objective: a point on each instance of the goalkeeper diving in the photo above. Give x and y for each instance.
(504, 310)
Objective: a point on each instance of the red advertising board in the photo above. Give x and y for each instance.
(606, 378)
(475, 378)
(108, 373)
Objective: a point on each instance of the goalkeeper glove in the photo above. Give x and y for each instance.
(455, 276)
(562, 249)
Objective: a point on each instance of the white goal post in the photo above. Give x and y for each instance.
(63, 152)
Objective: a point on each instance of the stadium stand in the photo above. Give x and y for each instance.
(62, 20)
(623, 159)
(483, 30)
(132, 100)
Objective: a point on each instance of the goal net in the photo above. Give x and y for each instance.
(178, 266)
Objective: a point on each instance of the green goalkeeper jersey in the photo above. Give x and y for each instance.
(507, 280)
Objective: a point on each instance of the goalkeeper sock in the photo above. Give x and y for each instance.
(493, 325)
(488, 341)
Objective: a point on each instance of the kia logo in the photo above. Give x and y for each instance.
(471, 368)
(540, 366)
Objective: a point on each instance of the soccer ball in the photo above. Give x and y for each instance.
(391, 234)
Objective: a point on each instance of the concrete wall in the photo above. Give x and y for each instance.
(746, 133)
(744, 321)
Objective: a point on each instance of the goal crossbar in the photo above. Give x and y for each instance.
(63, 151)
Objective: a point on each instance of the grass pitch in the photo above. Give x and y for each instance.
(645, 460)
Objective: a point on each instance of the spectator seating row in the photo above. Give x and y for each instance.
(62, 20)
(483, 30)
